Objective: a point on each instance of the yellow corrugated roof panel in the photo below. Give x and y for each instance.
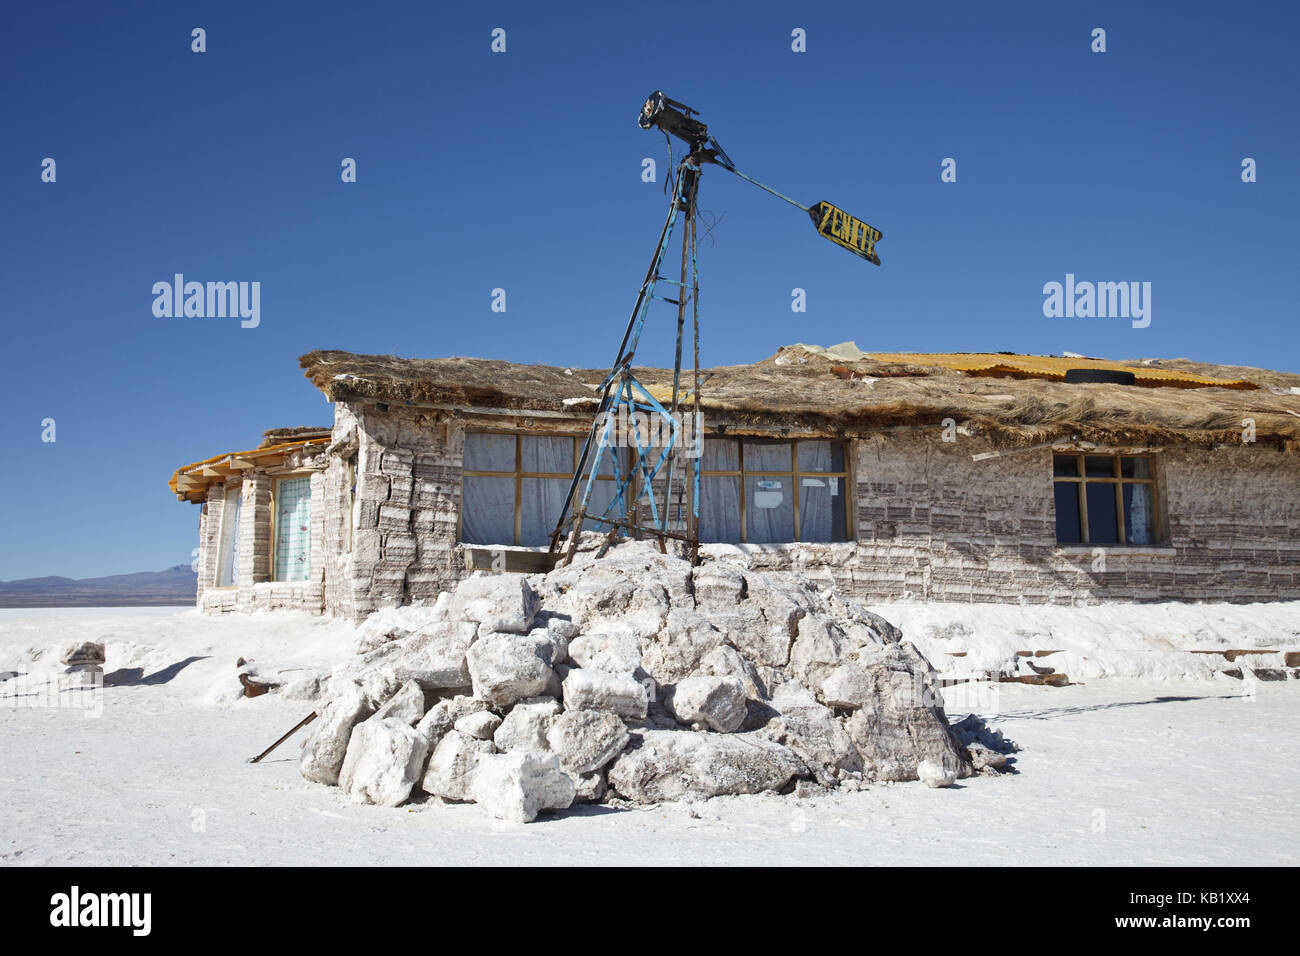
(1053, 367)
(663, 394)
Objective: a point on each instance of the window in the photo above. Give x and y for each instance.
(1104, 499)
(514, 487)
(292, 529)
(763, 491)
(228, 545)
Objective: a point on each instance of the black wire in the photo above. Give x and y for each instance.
(671, 168)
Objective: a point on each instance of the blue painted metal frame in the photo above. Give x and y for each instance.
(624, 399)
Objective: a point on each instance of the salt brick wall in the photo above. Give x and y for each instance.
(209, 596)
(934, 525)
(404, 542)
(255, 530)
(203, 524)
(335, 531)
(929, 523)
(1234, 516)
(210, 538)
(209, 522)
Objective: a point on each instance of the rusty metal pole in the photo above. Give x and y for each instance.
(697, 420)
(296, 727)
(683, 291)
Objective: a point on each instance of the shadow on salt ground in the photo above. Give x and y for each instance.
(580, 810)
(134, 676)
(577, 810)
(1051, 712)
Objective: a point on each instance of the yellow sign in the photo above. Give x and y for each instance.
(847, 231)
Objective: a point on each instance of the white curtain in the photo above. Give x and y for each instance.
(719, 509)
(769, 512)
(228, 551)
(487, 510)
(602, 495)
(547, 454)
(815, 456)
(1138, 518)
(818, 499)
(767, 456)
(486, 452)
(720, 454)
(540, 502)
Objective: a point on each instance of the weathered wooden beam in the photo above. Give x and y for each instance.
(1231, 654)
(1051, 680)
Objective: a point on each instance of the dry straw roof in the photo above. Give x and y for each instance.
(1010, 399)
(278, 436)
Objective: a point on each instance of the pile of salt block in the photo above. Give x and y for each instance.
(636, 677)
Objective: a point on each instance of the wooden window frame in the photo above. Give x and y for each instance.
(1116, 479)
(518, 475)
(794, 474)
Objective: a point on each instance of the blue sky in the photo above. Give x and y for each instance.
(522, 171)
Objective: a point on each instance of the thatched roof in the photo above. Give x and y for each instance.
(845, 390)
(277, 436)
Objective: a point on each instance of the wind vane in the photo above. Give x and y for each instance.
(642, 493)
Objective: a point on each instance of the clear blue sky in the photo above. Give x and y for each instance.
(522, 171)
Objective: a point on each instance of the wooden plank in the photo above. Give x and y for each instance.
(1231, 654)
(1049, 680)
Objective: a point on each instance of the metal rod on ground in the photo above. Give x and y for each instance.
(296, 727)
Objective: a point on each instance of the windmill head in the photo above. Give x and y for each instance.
(677, 119)
(832, 222)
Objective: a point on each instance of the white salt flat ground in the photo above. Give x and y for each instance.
(1117, 771)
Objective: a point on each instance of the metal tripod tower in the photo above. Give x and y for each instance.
(647, 496)
(655, 490)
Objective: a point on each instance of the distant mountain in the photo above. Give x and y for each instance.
(176, 585)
